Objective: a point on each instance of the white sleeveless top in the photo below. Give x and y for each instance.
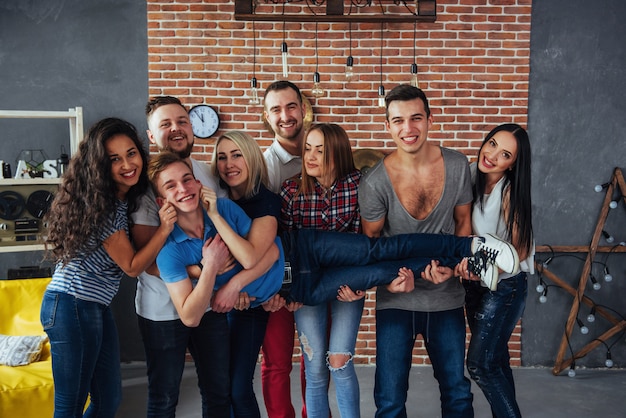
(491, 220)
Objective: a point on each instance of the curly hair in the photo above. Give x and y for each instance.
(87, 195)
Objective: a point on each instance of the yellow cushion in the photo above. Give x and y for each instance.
(25, 391)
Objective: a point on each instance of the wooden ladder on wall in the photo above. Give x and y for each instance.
(619, 324)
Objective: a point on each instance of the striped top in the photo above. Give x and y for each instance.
(93, 276)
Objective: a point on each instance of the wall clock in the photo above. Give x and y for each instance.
(204, 120)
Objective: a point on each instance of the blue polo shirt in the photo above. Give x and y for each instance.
(181, 250)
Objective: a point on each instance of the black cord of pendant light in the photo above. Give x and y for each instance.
(381, 88)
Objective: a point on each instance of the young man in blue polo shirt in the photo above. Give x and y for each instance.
(194, 240)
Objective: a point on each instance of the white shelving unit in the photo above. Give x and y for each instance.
(75, 119)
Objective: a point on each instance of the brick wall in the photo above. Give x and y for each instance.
(473, 65)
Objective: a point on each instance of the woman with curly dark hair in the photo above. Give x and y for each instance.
(88, 238)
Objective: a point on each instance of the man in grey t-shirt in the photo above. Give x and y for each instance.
(419, 187)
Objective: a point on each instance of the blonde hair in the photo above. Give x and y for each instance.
(252, 155)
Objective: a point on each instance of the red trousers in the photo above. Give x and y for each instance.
(277, 350)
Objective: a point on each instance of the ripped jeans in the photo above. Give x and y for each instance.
(317, 344)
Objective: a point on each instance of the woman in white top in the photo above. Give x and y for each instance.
(502, 206)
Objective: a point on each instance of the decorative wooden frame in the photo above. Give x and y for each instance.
(619, 324)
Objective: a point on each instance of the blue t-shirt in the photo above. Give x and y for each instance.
(180, 251)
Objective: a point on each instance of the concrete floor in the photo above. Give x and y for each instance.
(591, 393)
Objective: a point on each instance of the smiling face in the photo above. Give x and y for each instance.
(498, 154)
(126, 162)
(177, 185)
(285, 112)
(232, 167)
(314, 158)
(170, 129)
(408, 124)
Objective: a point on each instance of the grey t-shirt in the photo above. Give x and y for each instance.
(377, 199)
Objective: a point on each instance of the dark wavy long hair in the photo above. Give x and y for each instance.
(87, 196)
(518, 177)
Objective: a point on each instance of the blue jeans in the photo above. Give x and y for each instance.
(322, 261)
(247, 330)
(444, 338)
(312, 323)
(165, 344)
(492, 316)
(85, 355)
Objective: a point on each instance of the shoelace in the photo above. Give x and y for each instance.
(481, 259)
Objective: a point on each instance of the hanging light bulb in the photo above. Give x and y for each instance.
(595, 284)
(600, 187)
(254, 92)
(414, 80)
(583, 329)
(283, 49)
(545, 263)
(592, 315)
(381, 88)
(381, 96)
(540, 287)
(613, 204)
(609, 361)
(608, 237)
(350, 61)
(572, 370)
(349, 68)
(544, 296)
(608, 277)
(317, 90)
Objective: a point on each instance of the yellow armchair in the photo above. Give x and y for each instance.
(25, 391)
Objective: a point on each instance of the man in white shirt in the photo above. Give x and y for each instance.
(284, 111)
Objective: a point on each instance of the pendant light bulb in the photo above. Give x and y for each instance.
(284, 56)
(349, 68)
(414, 80)
(254, 92)
(381, 96)
(317, 91)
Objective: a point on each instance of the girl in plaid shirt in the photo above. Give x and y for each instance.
(325, 197)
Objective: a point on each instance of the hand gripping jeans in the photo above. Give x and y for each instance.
(322, 261)
(444, 338)
(85, 355)
(492, 316)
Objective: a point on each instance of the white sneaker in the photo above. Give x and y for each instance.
(487, 270)
(497, 251)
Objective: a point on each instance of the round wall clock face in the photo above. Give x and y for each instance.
(204, 120)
